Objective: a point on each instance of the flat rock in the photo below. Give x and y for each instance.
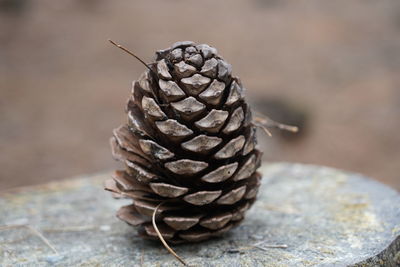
(305, 216)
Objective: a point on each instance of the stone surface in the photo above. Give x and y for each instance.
(325, 217)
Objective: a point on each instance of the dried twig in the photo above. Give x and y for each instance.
(153, 220)
(33, 230)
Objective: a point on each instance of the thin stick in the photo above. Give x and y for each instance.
(153, 220)
(130, 53)
(36, 232)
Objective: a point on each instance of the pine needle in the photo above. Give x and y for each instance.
(33, 230)
(261, 245)
(266, 247)
(263, 128)
(267, 122)
(130, 53)
(153, 220)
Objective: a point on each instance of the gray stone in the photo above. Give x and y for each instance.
(305, 216)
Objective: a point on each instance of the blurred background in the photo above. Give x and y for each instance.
(330, 67)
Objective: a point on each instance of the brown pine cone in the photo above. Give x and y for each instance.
(190, 144)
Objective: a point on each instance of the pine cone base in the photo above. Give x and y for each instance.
(189, 144)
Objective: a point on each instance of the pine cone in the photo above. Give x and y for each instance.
(190, 144)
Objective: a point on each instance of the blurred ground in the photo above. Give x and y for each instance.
(332, 66)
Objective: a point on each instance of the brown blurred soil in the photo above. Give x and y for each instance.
(63, 87)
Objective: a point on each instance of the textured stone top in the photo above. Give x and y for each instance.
(305, 216)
